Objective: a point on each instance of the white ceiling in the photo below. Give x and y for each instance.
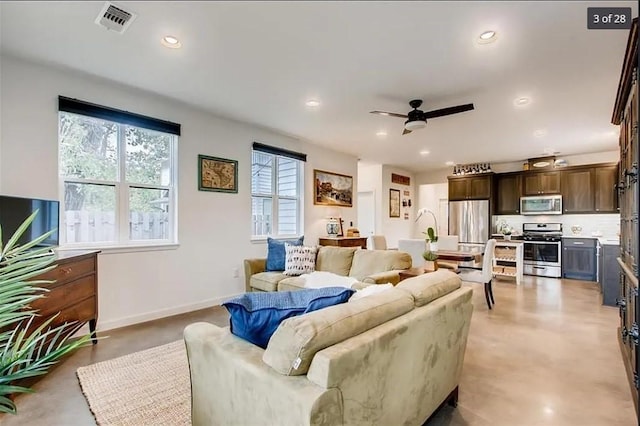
(260, 61)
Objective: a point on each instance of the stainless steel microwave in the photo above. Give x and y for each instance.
(541, 204)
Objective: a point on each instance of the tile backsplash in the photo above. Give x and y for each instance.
(606, 224)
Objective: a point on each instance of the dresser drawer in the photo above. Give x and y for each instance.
(65, 295)
(83, 311)
(68, 271)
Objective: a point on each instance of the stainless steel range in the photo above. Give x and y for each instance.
(542, 249)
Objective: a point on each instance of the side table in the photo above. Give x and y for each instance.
(411, 272)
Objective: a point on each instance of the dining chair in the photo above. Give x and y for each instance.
(378, 242)
(485, 275)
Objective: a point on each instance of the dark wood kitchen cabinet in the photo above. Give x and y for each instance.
(578, 195)
(470, 187)
(606, 193)
(508, 191)
(541, 183)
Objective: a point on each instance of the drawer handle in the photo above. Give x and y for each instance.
(578, 243)
(65, 271)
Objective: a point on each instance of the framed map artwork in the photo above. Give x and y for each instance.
(217, 174)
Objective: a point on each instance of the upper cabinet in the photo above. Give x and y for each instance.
(470, 187)
(584, 189)
(578, 195)
(540, 183)
(606, 189)
(508, 191)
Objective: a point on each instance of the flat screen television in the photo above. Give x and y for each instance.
(14, 210)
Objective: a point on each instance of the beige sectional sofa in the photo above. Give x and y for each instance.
(391, 358)
(368, 266)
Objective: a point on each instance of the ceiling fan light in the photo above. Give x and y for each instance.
(415, 125)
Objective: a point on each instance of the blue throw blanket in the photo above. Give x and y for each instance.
(256, 316)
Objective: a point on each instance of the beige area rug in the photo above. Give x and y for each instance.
(150, 387)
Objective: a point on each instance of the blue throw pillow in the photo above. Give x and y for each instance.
(276, 253)
(256, 316)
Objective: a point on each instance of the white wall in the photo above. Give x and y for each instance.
(430, 196)
(214, 228)
(370, 179)
(397, 228)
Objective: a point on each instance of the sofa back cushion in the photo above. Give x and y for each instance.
(256, 316)
(428, 287)
(367, 262)
(335, 259)
(296, 341)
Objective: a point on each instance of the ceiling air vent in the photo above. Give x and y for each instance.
(114, 18)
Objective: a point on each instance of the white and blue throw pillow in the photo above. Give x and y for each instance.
(256, 316)
(276, 253)
(299, 259)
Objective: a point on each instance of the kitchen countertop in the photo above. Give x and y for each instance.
(604, 241)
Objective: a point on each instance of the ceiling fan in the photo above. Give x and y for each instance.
(417, 119)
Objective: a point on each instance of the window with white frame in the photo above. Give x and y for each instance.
(117, 176)
(276, 192)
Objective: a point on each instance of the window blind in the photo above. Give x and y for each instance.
(279, 151)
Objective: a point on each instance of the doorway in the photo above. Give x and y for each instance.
(366, 213)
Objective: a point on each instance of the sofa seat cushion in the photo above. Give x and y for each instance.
(368, 262)
(255, 316)
(267, 281)
(296, 341)
(335, 259)
(428, 287)
(292, 284)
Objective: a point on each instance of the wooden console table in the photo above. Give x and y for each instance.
(344, 241)
(74, 292)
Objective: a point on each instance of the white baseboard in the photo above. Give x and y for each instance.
(161, 313)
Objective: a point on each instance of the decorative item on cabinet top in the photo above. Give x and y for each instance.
(471, 169)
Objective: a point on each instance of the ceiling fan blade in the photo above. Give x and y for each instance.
(448, 111)
(405, 132)
(390, 114)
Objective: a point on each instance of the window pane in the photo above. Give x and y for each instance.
(261, 173)
(88, 147)
(261, 211)
(287, 177)
(287, 217)
(89, 212)
(148, 156)
(148, 214)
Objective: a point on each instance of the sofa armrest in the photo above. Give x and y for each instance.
(392, 277)
(252, 266)
(230, 384)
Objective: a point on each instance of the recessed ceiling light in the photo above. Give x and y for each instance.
(450, 163)
(381, 134)
(312, 103)
(487, 37)
(171, 42)
(424, 152)
(540, 133)
(522, 101)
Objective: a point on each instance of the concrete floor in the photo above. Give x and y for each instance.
(546, 355)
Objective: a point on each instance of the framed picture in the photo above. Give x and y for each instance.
(332, 189)
(394, 203)
(217, 174)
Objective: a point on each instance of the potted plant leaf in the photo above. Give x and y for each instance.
(430, 258)
(432, 239)
(27, 351)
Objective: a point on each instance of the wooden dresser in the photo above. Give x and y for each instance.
(344, 241)
(75, 291)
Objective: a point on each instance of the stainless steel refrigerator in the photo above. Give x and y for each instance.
(470, 221)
